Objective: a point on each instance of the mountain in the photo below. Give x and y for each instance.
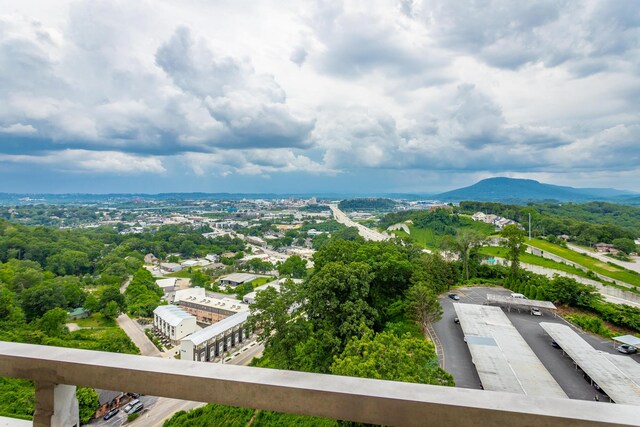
(519, 190)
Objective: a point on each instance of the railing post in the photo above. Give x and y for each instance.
(56, 405)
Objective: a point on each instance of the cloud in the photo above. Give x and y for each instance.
(18, 129)
(253, 162)
(251, 107)
(343, 90)
(586, 36)
(106, 162)
(358, 38)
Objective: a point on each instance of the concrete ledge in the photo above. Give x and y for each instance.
(346, 398)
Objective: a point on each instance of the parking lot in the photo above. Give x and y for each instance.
(457, 358)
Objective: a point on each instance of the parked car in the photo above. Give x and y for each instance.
(454, 297)
(536, 311)
(456, 320)
(130, 405)
(626, 349)
(112, 413)
(137, 408)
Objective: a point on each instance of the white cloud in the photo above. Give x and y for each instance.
(491, 87)
(99, 162)
(18, 129)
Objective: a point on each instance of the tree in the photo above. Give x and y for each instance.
(69, 262)
(91, 303)
(278, 324)
(111, 310)
(386, 356)
(462, 244)
(514, 243)
(336, 300)
(7, 302)
(42, 298)
(625, 245)
(88, 403)
(52, 322)
(112, 293)
(423, 305)
(294, 267)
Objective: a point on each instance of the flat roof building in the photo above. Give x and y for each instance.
(207, 309)
(173, 323)
(237, 279)
(212, 342)
(167, 285)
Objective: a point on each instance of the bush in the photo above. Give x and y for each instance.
(591, 324)
(132, 417)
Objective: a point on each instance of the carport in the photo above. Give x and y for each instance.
(628, 339)
(510, 302)
(618, 376)
(503, 359)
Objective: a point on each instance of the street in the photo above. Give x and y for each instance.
(633, 266)
(365, 232)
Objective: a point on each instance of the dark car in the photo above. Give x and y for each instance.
(626, 349)
(112, 413)
(554, 344)
(454, 297)
(456, 320)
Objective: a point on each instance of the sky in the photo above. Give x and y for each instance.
(317, 96)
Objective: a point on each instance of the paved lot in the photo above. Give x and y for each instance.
(458, 359)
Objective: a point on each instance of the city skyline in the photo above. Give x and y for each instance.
(288, 97)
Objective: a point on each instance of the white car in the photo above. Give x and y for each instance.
(536, 311)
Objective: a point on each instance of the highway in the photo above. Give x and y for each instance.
(365, 232)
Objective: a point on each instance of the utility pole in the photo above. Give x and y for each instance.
(529, 225)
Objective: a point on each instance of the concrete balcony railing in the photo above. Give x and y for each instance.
(56, 371)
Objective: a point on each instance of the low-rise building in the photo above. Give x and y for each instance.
(167, 285)
(173, 323)
(170, 267)
(213, 341)
(237, 279)
(207, 309)
(251, 296)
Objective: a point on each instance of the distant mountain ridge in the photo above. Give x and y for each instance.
(503, 189)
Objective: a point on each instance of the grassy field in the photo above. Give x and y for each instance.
(534, 260)
(609, 270)
(182, 274)
(431, 239)
(261, 281)
(94, 321)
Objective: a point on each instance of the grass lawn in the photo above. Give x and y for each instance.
(261, 281)
(94, 321)
(534, 260)
(182, 274)
(609, 270)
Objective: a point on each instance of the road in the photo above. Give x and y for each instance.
(458, 359)
(633, 266)
(365, 232)
(610, 294)
(138, 337)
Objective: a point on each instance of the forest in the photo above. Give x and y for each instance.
(587, 223)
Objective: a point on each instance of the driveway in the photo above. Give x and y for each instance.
(134, 331)
(458, 359)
